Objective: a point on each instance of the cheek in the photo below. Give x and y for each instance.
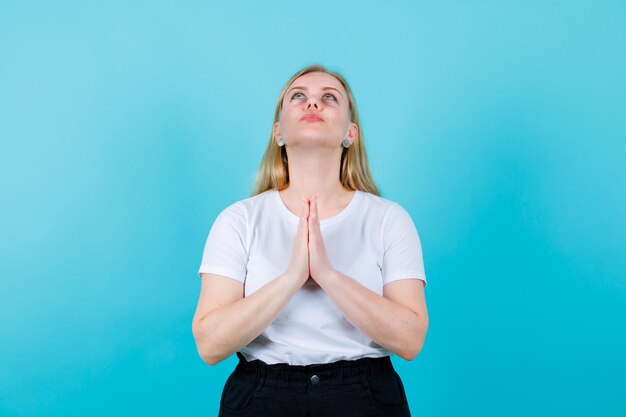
(285, 110)
(342, 121)
(287, 115)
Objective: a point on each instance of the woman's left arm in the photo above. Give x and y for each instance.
(397, 320)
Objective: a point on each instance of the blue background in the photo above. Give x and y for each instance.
(126, 128)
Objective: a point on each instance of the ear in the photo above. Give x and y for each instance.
(353, 132)
(276, 131)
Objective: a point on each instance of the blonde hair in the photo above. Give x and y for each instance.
(354, 172)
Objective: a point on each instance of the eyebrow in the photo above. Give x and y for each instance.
(304, 88)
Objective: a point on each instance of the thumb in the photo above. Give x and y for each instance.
(303, 225)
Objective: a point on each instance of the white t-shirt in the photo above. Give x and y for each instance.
(372, 240)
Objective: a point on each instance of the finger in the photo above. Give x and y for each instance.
(303, 215)
(313, 222)
(313, 209)
(307, 204)
(311, 217)
(317, 217)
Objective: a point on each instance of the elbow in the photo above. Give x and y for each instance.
(411, 353)
(208, 358)
(207, 355)
(414, 346)
(203, 347)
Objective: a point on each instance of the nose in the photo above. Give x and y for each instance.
(312, 102)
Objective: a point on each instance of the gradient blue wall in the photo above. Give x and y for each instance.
(127, 126)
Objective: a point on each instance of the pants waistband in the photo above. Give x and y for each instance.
(334, 373)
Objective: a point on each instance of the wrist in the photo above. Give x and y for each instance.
(326, 276)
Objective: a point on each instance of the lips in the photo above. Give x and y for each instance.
(312, 118)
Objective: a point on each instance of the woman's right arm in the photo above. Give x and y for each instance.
(225, 320)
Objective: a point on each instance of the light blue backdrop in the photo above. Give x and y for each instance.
(126, 128)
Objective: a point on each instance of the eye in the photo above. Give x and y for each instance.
(332, 97)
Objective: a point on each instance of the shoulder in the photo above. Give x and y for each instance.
(247, 206)
(242, 214)
(391, 216)
(381, 206)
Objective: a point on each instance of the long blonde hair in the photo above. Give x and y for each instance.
(354, 172)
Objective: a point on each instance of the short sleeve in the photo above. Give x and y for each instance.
(403, 251)
(225, 248)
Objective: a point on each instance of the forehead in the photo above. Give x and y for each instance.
(317, 80)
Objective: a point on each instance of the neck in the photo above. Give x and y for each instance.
(314, 171)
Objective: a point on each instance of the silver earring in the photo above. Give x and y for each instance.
(281, 142)
(346, 143)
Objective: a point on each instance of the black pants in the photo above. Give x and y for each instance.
(367, 387)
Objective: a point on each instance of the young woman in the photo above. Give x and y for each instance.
(314, 280)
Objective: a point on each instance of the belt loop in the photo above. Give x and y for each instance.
(365, 373)
(241, 365)
(261, 372)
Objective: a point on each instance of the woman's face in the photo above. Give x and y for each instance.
(315, 112)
